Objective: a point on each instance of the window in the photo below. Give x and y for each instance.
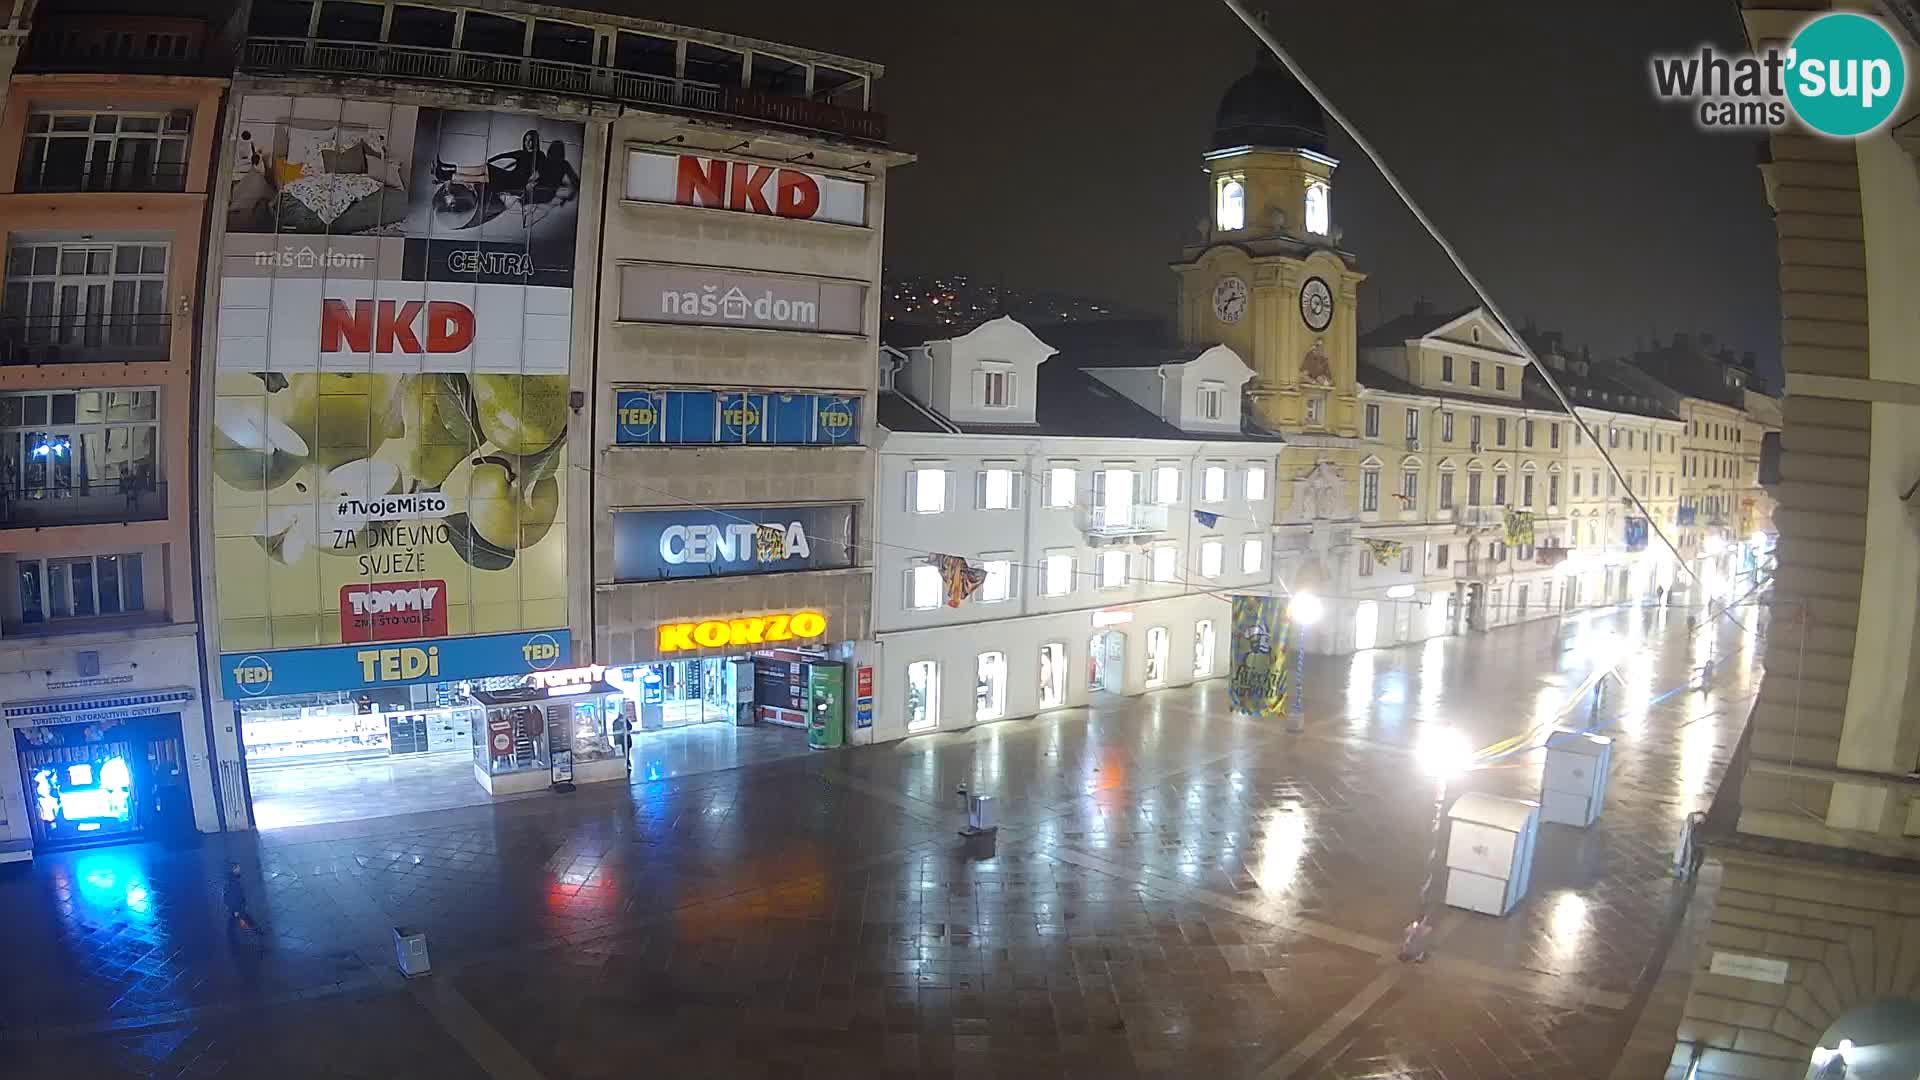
(990, 686)
(923, 695)
(1473, 487)
(1056, 574)
(106, 151)
(1060, 481)
(1166, 484)
(1373, 421)
(1499, 376)
(707, 63)
(1553, 490)
(1446, 427)
(924, 588)
(1113, 569)
(1613, 484)
(1413, 427)
(1369, 491)
(1553, 436)
(568, 43)
(1613, 438)
(1473, 432)
(89, 296)
(1577, 429)
(1211, 554)
(1256, 483)
(1053, 674)
(1446, 489)
(1446, 369)
(1231, 213)
(498, 35)
(79, 588)
(1212, 400)
(1406, 559)
(778, 76)
(1213, 484)
(999, 583)
(1576, 485)
(1410, 489)
(640, 53)
(1499, 489)
(1441, 553)
(1203, 649)
(996, 388)
(1526, 433)
(1500, 431)
(1157, 639)
(927, 488)
(1366, 561)
(1526, 491)
(1166, 559)
(1252, 555)
(997, 489)
(1319, 214)
(81, 455)
(1473, 373)
(1113, 497)
(341, 20)
(1316, 409)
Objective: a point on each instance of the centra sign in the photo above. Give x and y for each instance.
(753, 630)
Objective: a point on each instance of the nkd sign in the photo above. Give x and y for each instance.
(649, 545)
(744, 187)
(696, 296)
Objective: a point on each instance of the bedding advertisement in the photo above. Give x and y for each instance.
(390, 404)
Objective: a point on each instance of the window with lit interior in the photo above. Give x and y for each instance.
(1319, 209)
(1232, 211)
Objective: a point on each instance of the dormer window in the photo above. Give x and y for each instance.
(1212, 400)
(1319, 212)
(1231, 214)
(996, 388)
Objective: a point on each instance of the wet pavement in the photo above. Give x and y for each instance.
(1175, 891)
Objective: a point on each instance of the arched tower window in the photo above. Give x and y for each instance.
(1319, 213)
(1232, 211)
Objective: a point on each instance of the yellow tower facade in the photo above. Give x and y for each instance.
(1267, 277)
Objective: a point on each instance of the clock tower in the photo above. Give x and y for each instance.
(1267, 277)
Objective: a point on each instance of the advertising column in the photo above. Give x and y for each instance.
(391, 396)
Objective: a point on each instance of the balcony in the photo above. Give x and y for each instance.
(97, 504)
(382, 60)
(1468, 518)
(120, 44)
(129, 176)
(1480, 569)
(85, 339)
(1118, 525)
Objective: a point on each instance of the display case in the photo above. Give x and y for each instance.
(525, 730)
(599, 723)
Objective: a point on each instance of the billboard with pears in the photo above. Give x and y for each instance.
(389, 431)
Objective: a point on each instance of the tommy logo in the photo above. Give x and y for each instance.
(388, 326)
(393, 611)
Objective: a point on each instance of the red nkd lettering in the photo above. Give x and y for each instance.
(748, 190)
(796, 195)
(700, 183)
(388, 326)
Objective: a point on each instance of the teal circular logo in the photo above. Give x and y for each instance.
(1846, 74)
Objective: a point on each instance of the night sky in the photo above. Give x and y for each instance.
(1059, 147)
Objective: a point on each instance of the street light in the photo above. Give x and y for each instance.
(1303, 610)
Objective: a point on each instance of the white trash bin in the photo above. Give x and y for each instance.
(1490, 852)
(1573, 787)
(410, 951)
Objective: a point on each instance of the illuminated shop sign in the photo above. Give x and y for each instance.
(394, 611)
(743, 632)
(356, 667)
(743, 418)
(705, 296)
(650, 545)
(744, 187)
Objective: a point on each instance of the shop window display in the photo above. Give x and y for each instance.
(1053, 674)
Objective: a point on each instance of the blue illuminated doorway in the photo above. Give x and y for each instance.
(97, 783)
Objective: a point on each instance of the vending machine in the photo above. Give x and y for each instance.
(826, 704)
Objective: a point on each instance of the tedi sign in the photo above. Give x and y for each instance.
(745, 187)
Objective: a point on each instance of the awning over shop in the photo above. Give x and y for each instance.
(95, 708)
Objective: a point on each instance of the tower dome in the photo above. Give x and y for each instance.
(1267, 107)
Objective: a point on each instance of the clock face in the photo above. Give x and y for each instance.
(1316, 304)
(1230, 299)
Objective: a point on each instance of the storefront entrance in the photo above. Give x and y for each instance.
(1107, 662)
(102, 782)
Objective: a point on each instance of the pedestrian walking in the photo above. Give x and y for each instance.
(240, 921)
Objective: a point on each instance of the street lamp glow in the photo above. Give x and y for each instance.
(1714, 547)
(1443, 752)
(1305, 608)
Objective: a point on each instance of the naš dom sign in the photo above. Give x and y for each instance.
(751, 630)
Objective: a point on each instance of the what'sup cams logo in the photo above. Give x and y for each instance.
(1842, 75)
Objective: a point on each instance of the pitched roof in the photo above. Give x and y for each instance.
(1067, 402)
(1534, 393)
(1402, 328)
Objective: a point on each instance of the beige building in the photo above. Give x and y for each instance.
(1816, 916)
